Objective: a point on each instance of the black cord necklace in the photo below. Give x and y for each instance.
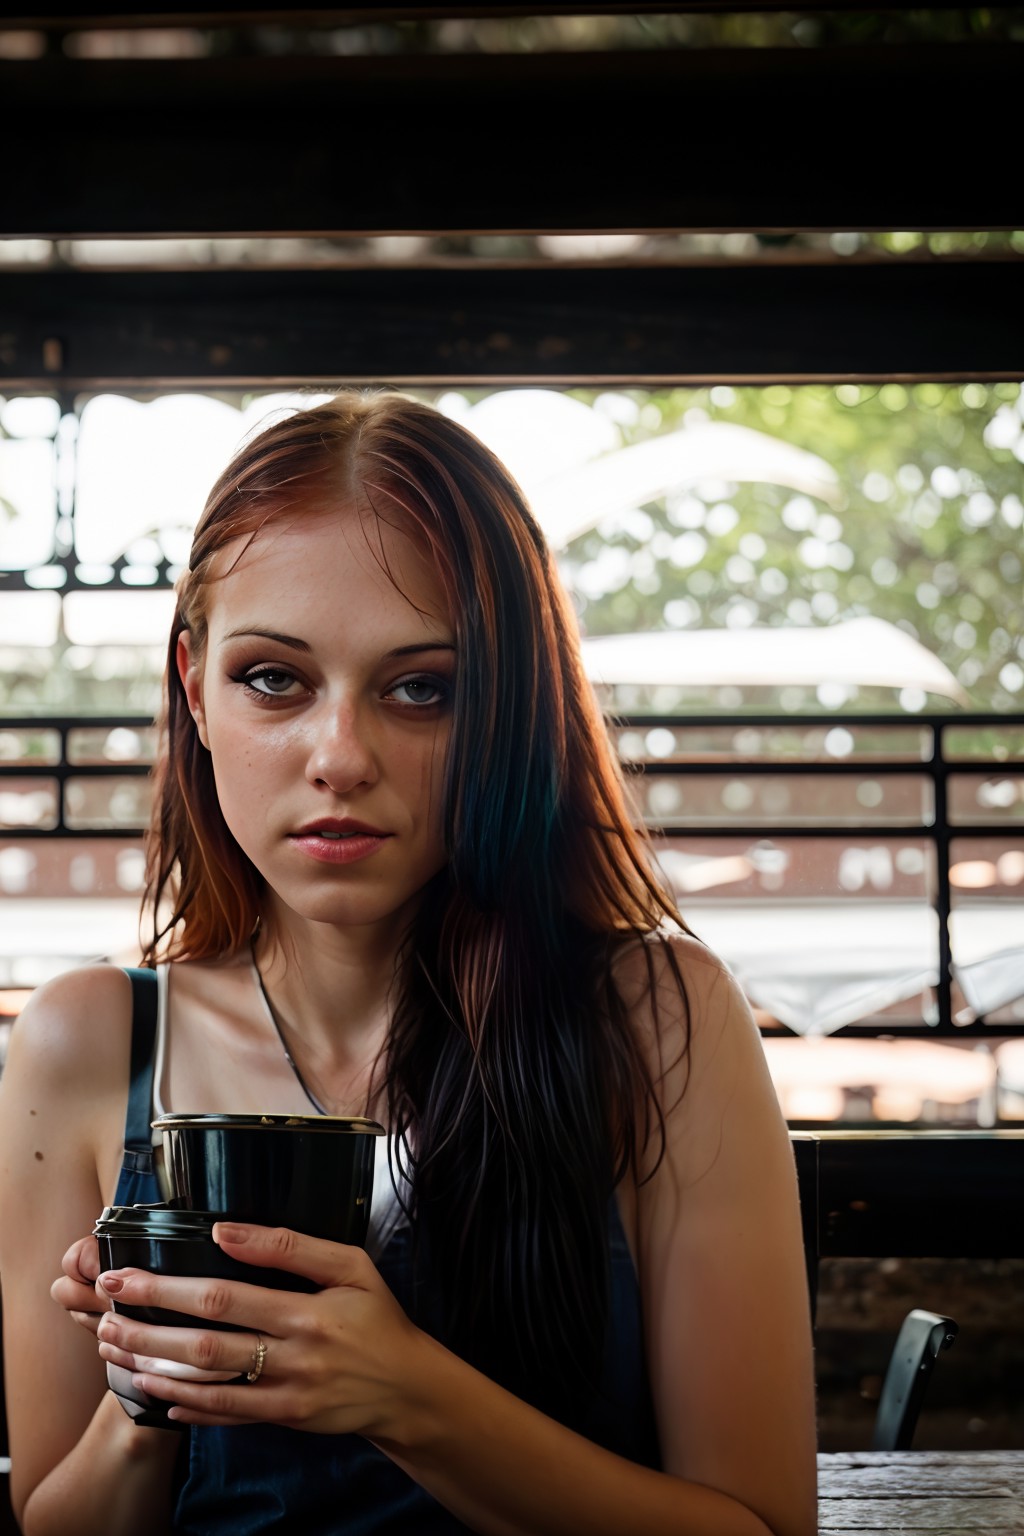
(289, 1058)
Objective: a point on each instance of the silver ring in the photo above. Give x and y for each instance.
(259, 1354)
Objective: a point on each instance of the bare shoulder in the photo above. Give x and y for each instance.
(660, 957)
(679, 994)
(63, 1091)
(699, 1041)
(74, 1030)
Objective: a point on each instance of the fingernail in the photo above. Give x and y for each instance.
(111, 1284)
(108, 1325)
(227, 1232)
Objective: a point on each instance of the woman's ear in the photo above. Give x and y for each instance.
(191, 673)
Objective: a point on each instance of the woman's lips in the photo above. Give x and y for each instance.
(348, 849)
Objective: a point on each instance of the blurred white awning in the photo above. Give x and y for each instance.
(568, 458)
(858, 652)
(817, 965)
(570, 503)
(994, 980)
(43, 936)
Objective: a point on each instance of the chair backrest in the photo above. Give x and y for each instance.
(921, 1338)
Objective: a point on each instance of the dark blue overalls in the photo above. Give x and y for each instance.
(261, 1477)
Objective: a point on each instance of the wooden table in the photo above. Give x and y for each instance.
(921, 1493)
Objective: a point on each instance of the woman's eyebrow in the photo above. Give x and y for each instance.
(414, 650)
(419, 646)
(268, 634)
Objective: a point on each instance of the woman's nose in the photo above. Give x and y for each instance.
(341, 755)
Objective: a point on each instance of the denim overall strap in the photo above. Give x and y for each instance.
(138, 1134)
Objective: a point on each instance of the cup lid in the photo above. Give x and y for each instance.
(353, 1125)
(165, 1221)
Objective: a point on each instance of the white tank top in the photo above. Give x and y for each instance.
(386, 1213)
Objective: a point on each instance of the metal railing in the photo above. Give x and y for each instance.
(935, 828)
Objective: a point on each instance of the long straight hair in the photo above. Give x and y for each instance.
(513, 1074)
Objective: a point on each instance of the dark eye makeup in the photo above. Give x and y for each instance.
(437, 689)
(275, 682)
(421, 691)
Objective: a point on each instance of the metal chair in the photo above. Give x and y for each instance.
(921, 1339)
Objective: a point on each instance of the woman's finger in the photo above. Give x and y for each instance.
(154, 1365)
(87, 1320)
(189, 1354)
(178, 1372)
(212, 1303)
(326, 1263)
(216, 1403)
(206, 1420)
(80, 1300)
(115, 1356)
(256, 1307)
(82, 1261)
(76, 1296)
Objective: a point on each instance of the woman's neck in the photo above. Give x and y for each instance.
(330, 991)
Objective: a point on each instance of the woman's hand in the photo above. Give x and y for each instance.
(76, 1288)
(88, 1303)
(333, 1362)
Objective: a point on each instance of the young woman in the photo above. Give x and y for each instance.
(392, 871)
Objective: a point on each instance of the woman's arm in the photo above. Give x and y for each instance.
(726, 1316)
(721, 1259)
(349, 1361)
(725, 1313)
(78, 1463)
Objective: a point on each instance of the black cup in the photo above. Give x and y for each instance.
(171, 1241)
(313, 1173)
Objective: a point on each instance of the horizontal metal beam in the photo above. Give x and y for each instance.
(122, 13)
(947, 318)
(727, 139)
(883, 1028)
(921, 1194)
(890, 832)
(44, 720)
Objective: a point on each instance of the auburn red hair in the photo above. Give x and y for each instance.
(528, 736)
(513, 1070)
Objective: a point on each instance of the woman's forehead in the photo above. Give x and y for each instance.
(332, 544)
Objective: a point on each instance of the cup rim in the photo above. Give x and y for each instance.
(160, 1221)
(352, 1125)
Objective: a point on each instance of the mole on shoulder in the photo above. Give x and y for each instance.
(39, 1157)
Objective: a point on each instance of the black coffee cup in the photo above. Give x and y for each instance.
(313, 1173)
(171, 1241)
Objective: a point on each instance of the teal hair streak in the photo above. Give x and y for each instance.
(506, 779)
(506, 758)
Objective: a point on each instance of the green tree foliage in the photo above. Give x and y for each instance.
(926, 532)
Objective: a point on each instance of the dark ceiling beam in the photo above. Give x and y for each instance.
(862, 321)
(845, 138)
(115, 14)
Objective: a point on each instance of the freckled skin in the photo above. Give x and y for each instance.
(340, 729)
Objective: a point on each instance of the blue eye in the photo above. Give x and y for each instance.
(420, 690)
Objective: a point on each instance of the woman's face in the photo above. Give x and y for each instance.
(324, 698)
